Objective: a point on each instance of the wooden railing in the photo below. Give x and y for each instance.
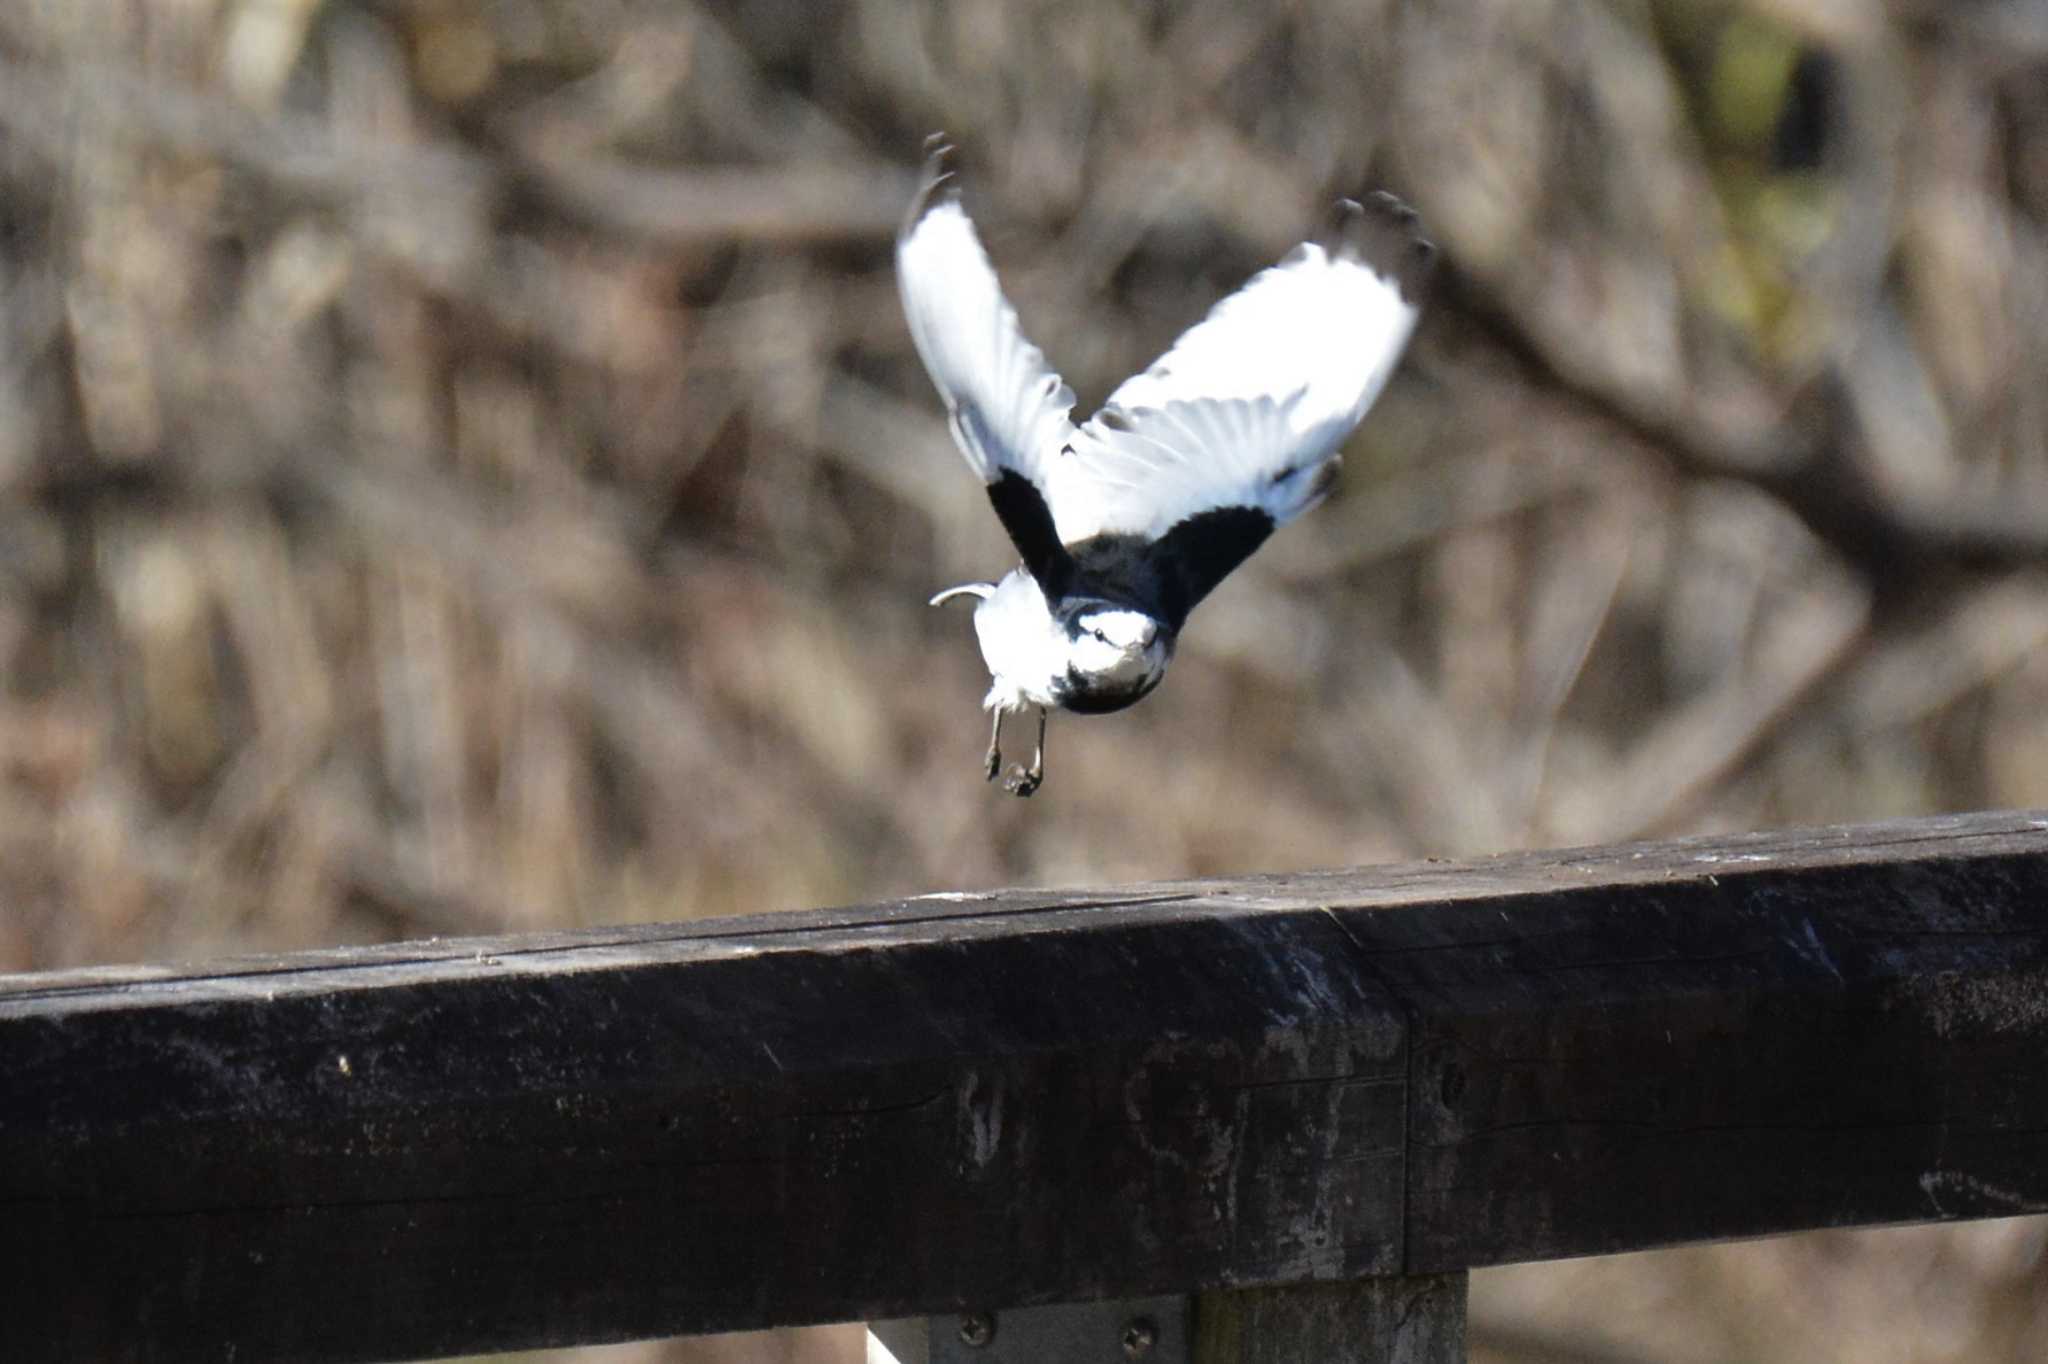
(976, 1103)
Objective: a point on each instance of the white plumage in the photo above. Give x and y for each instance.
(1126, 521)
(967, 334)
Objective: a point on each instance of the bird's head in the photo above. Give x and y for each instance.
(1116, 645)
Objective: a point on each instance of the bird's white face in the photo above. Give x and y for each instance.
(1117, 646)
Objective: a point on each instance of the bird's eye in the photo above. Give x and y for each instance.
(1099, 635)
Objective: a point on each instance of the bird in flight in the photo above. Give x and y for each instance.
(1126, 521)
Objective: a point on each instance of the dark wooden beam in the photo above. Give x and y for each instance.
(1769, 1033)
(927, 1106)
(999, 1100)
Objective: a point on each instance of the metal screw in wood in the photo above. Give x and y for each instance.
(977, 1329)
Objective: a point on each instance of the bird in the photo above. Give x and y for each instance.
(1125, 522)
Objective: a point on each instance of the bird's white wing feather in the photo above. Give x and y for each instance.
(1009, 410)
(1250, 405)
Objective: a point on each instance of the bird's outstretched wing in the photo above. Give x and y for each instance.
(1192, 463)
(1010, 412)
(1235, 430)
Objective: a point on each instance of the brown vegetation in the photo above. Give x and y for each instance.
(462, 468)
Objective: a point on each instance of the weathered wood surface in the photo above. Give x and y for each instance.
(1409, 1320)
(803, 1118)
(1758, 1045)
(991, 1101)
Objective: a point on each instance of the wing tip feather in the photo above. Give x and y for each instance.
(938, 173)
(1385, 234)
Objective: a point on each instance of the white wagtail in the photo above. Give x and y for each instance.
(1128, 520)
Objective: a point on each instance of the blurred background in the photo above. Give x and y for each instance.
(462, 469)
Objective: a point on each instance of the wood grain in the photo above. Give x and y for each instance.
(999, 1100)
(715, 1131)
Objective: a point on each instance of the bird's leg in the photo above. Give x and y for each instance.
(994, 762)
(1023, 781)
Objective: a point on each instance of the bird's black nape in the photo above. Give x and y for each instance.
(1168, 577)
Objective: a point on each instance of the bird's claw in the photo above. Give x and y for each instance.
(1022, 781)
(992, 764)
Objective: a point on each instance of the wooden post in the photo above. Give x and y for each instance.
(1416, 1320)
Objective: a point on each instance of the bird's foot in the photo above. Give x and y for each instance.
(1022, 780)
(992, 763)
